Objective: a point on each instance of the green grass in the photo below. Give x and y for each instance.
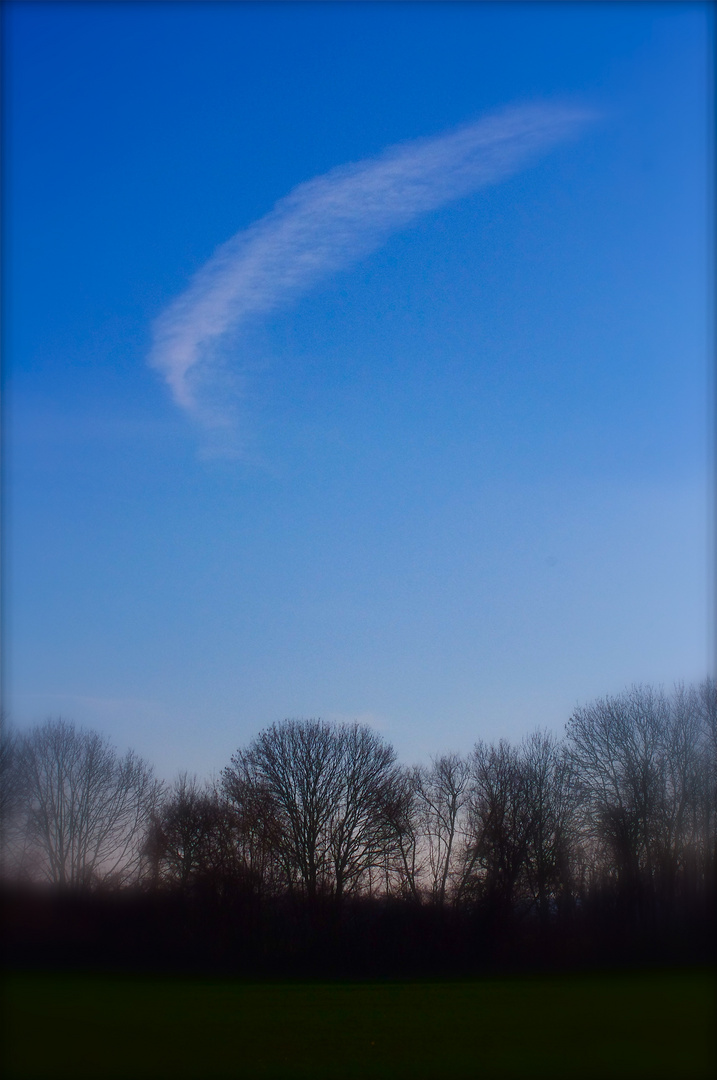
(636, 1025)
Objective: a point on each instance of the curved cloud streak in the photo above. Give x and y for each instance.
(333, 220)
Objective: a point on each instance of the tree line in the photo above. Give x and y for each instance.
(617, 820)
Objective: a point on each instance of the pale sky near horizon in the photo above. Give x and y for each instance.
(356, 365)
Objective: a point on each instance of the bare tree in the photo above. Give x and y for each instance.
(705, 706)
(404, 858)
(692, 841)
(294, 767)
(11, 836)
(8, 784)
(327, 794)
(641, 761)
(442, 793)
(256, 826)
(500, 823)
(193, 836)
(551, 797)
(361, 824)
(85, 810)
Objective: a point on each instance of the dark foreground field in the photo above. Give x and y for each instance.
(629, 1025)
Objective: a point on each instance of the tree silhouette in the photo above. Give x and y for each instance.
(327, 793)
(84, 809)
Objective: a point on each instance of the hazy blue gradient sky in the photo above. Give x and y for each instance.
(433, 457)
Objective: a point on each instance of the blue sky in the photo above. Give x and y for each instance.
(441, 467)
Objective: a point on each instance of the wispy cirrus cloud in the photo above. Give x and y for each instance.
(332, 221)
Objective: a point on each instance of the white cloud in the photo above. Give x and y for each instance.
(332, 221)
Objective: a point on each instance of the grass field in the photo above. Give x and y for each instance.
(636, 1025)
